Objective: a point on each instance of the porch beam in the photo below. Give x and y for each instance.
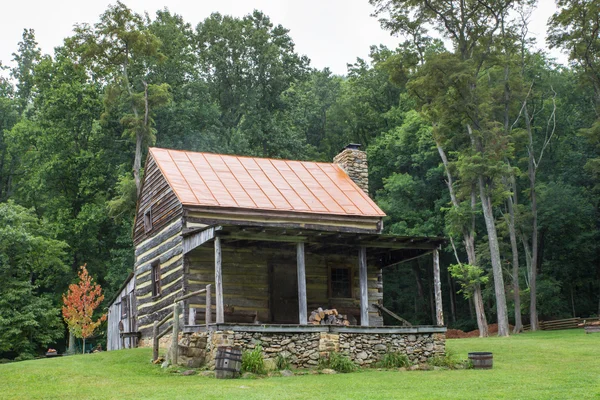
(193, 240)
(301, 270)
(437, 285)
(364, 289)
(218, 282)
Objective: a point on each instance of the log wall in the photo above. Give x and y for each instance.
(246, 281)
(167, 247)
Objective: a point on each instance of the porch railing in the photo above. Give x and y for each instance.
(175, 327)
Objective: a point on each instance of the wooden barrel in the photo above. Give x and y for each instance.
(481, 360)
(228, 362)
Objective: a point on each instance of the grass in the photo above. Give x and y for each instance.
(544, 365)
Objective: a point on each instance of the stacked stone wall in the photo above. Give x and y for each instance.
(305, 349)
(301, 349)
(365, 349)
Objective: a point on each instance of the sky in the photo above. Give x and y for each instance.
(332, 33)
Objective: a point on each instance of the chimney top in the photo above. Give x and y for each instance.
(354, 162)
(353, 146)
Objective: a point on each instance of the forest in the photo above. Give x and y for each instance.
(472, 133)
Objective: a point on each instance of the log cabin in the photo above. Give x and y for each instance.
(275, 239)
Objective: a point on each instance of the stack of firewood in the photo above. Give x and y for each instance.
(327, 317)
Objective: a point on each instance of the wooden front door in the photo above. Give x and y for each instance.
(284, 293)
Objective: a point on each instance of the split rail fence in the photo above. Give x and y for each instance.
(569, 323)
(156, 335)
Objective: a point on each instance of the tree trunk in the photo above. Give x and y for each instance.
(83, 347)
(452, 298)
(515, 264)
(533, 316)
(479, 311)
(137, 161)
(468, 239)
(490, 223)
(72, 344)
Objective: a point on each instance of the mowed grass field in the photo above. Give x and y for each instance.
(543, 365)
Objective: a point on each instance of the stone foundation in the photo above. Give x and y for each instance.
(366, 349)
(304, 348)
(301, 349)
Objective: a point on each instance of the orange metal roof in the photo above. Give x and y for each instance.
(218, 180)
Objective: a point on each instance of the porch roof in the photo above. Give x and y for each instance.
(385, 249)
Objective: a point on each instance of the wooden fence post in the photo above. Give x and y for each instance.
(208, 311)
(192, 316)
(175, 338)
(155, 341)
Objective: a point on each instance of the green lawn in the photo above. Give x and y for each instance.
(545, 365)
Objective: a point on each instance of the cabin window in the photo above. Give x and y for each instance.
(124, 307)
(156, 278)
(340, 282)
(148, 220)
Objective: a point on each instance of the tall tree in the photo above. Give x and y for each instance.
(473, 28)
(121, 49)
(31, 263)
(249, 64)
(26, 58)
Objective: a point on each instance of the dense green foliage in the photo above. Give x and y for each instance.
(519, 133)
(557, 364)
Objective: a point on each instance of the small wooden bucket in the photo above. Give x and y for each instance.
(481, 360)
(228, 362)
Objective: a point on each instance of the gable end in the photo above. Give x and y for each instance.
(158, 200)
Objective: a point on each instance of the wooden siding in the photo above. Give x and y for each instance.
(157, 196)
(167, 247)
(115, 315)
(246, 279)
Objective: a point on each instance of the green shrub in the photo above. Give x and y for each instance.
(393, 360)
(337, 362)
(448, 361)
(252, 361)
(282, 362)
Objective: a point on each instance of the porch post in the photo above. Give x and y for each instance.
(219, 282)
(364, 289)
(300, 268)
(437, 285)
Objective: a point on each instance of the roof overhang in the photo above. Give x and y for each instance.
(385, 249)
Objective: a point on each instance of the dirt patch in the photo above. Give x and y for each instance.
(458, 334)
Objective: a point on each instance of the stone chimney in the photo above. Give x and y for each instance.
(354, 162)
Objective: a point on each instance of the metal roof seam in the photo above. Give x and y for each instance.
(316, 180)
(237, 180)
(257, 185)
(219, 178)
(201, 178)
(336, 185)
(284, 196)
(183, 176)
(307, 188)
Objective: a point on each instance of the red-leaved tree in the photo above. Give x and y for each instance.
(79, 304)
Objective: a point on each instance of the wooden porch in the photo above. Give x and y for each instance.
(275, 276)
